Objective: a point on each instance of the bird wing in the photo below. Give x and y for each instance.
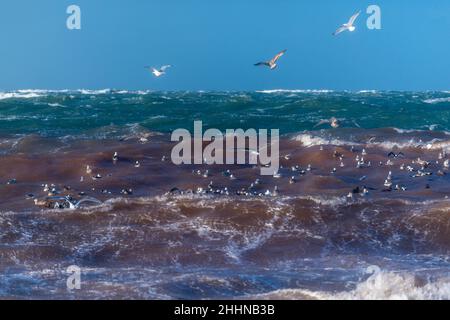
(151, 69)
(163, 68)
(263, 63)
(278, 56)
(321, 122)
(353, 18)
(341, 29)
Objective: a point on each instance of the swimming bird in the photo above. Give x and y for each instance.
(277, 175)
(388, 181)
(396, 155)
(272, 64)
(64, 202)
(348, 26)
(159, 72)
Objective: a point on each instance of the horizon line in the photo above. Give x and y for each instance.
(278, 90)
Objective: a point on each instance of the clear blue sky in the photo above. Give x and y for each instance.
(214, 43)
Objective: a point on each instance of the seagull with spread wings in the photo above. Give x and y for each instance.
(159, 72)
(272, 64)
(349, 25)
(334, 123)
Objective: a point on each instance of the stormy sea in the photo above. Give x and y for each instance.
(357, 210)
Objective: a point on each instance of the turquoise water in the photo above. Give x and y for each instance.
(109, 113)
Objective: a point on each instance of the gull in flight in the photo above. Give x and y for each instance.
(159, 72)
(334, 123)
(272, 64)
(349, 25)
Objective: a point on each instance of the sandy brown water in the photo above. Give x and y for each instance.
(168, 239)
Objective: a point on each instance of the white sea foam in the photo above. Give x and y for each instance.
(437, 100)
(56, 105)
(309, 140)
(19, 95)
(94, 92)
(330, 201)
(24, 93)
(294, 91)
(368, 91)
(382, 285)
(138, 92)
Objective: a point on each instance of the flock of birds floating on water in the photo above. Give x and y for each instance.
(416, 169)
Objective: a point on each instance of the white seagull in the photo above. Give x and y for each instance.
(334, 123)
(159, 72)
(349, 25)
(272, 64)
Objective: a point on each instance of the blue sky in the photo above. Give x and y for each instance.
(214, 43)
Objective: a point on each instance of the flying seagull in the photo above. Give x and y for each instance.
(348, 26)
(334, 123)
(159, 72)
(272, 64)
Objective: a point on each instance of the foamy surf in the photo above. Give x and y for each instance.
(18, 95)
(382, 285)
(295, 91)
(437, 100)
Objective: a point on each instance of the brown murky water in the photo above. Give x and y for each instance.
(156, 230)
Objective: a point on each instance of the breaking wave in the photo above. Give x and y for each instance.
(382, 285)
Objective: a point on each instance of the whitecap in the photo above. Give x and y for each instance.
(381, 285)
(294, 91)
(437, 100)
(18, 95)
(94, 92)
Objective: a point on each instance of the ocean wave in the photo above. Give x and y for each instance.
(431, 127)
(381, 285)
(309, 140)
(44, 92)
(437, 100)
(19, 95)
(294, 91)
(94, 92)
(367, 91)
(137, 92)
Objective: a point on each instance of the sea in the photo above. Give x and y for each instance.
(360, 211)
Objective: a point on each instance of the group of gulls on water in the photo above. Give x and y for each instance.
(417, 168)
(272, 63)
(57, 199)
